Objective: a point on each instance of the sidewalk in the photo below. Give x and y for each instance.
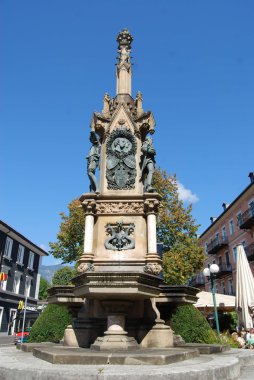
(6, 339)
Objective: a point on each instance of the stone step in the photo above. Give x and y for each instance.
(18, 365)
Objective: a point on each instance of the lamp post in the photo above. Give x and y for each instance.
(211, 272)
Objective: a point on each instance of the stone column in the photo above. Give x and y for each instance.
(153, 261)
(88, 238)
(151, 233)
(85, 261)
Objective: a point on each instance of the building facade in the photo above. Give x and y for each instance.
(19, 260)
(234, 226)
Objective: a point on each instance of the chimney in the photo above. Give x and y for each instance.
(251, 176)
(212, 219)
(225, 206)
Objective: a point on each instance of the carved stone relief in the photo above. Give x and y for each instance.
(120, 207)
(120, 238)
(151, 205)
(85, 267)
(121, 148)
(89, 206)
(153, 268)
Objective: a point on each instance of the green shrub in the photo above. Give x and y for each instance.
(50, 325)
(188, 322)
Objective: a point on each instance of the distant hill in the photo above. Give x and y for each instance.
(47, 271)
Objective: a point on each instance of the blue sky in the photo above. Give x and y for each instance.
(193, 62)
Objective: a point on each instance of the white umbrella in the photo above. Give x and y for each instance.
(223, 301)
(244, 301)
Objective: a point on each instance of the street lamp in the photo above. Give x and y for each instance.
(211, 272)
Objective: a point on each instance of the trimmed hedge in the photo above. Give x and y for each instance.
(188, 322)
(50, 325)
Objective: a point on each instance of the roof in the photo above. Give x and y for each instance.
(21, 239)
(228, 208)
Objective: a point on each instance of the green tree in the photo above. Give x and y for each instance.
(177, 230)
(69, 244)
(44, 285)
(63, 276)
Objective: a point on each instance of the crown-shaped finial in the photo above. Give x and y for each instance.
(125, 39)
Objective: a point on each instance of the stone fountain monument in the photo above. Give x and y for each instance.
(119, 299)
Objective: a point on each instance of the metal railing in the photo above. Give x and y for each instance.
(249, 250)
(216, 244)
(246, 219)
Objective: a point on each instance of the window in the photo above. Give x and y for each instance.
(220, 262)
(8, 247)
(206, 248)
(227, 259)
(16, 283)
(223, 289)
(235, 254)
(217, 237)
(239, 218)
(20, 255)
(3, 284)
(231, 227)
(243, 243)
(31, 260)
(12, 321)
(230, 286)
(224, 233)
(28, 286)
(1, 317)
(251, 205)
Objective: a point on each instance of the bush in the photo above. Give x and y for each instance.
(188, 322)
(50, 325)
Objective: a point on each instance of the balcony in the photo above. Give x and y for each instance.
(217, 244)
(197, 281)
(246, 220)
(249, 250)
(225, 268)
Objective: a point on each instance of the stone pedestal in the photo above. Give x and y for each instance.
(160, 336)
(115, 338)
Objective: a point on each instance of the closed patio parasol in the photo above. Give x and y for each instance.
(244, 301)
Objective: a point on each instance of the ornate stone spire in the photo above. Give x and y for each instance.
(123, 67)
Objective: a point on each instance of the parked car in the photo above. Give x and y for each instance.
(19, 335)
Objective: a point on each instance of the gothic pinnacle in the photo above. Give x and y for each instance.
(123, 68)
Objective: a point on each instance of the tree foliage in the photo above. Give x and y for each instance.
(44, 285)
(63, 276)
(50, 325)
(188, 322)
(177, 230)
(69, 244)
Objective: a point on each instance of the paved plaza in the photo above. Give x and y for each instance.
(233, 364)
